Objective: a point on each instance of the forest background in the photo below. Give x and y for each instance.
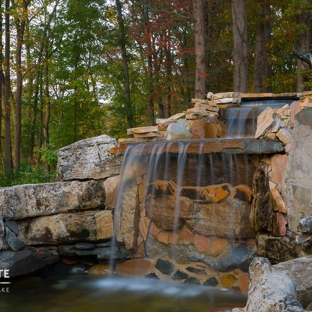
(73, 69)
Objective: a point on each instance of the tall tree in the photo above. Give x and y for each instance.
(151, 108)
(304, 21)
(20, 18)
(200, 70)
(125, 64)
(240, 45)
(7, 94)
(1, 74)
(262, 67)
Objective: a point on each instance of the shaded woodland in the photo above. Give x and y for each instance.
(73, 69)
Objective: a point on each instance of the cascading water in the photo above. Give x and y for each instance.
(180, 181)
(241, 122)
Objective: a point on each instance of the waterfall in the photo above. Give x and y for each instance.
(177, 183)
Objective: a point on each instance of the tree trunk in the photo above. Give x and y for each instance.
(1, 77)
(151, 108)
(125, 67)
(303, 44)
(46, 121)
(263, 70)
(34, 112)
(168, 65)
(7, 90)
(20, 29)
(200, 70)
(240, 49)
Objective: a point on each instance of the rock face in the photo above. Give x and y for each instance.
(264, 121)
(126, 217)
(269, 290)
(297, 179)
(177, 131)
(60, 228)
(297, 270)
(261, 208)
(33, 200)
(277, 249)
(220, 255)
(88, 159)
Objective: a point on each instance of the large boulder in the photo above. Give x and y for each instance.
(269, 291)
(88, 159)
(33, 200)
(297, 179)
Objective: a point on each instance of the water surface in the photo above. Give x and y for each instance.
(114, 294)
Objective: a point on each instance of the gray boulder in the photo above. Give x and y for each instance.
(88, 159)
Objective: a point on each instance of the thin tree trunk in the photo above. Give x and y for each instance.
(304, 19)
(240, 50)
(263, 70)
(20, 25)
(41, 99)
(46, 133)
(125, 65)
(7, 96)
(34, 114)
(151, 109)
(168, 64)
(1, 77)
(200, 70)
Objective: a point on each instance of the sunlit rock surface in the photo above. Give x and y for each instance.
(32, 200)
(264, 121)
(88, 159)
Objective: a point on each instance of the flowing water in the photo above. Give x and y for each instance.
(241, 122)
(177, 169)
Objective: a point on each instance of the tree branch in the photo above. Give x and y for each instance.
(307, 58)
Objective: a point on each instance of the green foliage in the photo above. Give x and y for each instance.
(29, 174)
(40, 171)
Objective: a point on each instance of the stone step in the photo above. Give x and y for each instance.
(269, 95)
(140, 130)
(207, 146)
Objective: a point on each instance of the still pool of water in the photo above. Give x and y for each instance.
(114, 294)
